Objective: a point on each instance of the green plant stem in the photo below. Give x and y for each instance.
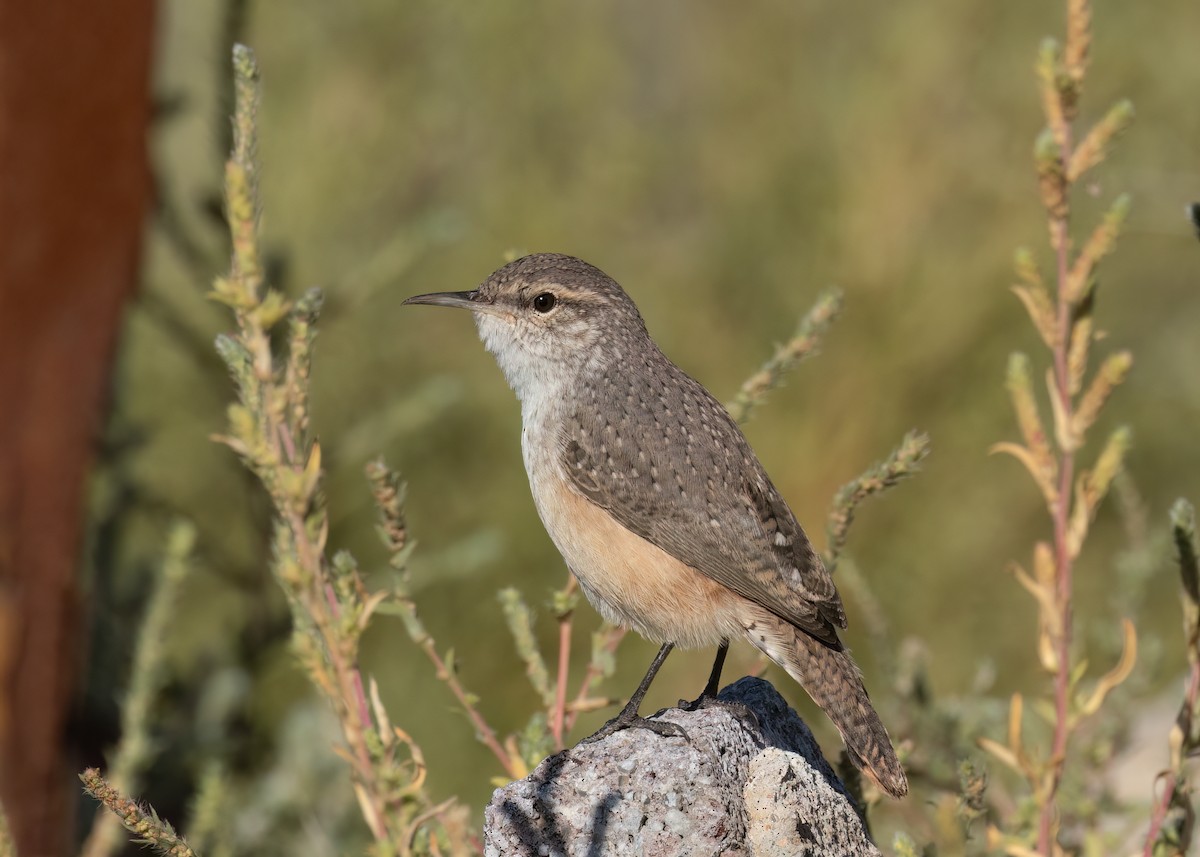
(136, 748)
(349, 699)
(270, 431)
(208, 824)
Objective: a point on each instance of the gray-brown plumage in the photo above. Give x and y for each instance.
(653, 496)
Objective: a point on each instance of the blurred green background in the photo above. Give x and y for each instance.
(724, 162)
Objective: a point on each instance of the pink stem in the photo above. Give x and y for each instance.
(1164, 802)
(560, 690)
(1062, 517)
(590, 676)
(360, 696)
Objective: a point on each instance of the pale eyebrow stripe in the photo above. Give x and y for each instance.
(562, 291)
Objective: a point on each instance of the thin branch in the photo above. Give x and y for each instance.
(147, 677)
(387, 488)
(485, 733)
(1161, 807)
(904, 461)
(144, 823)
(604, 645)
(564, 602)
(804, 343)
(1184, 741)
(559, 711)
(1062, 517)
(269, 430)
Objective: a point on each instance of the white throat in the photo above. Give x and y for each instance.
(538, 377)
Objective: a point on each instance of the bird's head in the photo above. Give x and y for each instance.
(547, 318)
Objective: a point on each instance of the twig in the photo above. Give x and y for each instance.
(136, 749)
(1159, 815)
(208, 824)
(388, 491)
(604, 644)
(1184, 740)
(1060, 239)
(1176, 777)
(904, 461)
(146, 824)
(424, 818)
(520, 625)
(564, 602)
(483, 730)
(559, 711)
(804, 343)
(339, 650)
(269, 429)
(1072, 494)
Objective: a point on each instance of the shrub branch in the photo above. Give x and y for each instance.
(1173, 817)
(145, 823)
(269, 430)
(147, 677)
(1072, 494)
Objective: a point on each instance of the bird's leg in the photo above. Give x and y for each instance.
(629, 714)
(708, 696)
(714, 678)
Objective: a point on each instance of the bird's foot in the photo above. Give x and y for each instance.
(630, 719)
(710, 700)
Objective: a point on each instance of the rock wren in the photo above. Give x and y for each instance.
(651, 493)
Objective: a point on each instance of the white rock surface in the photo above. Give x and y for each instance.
(733, 788)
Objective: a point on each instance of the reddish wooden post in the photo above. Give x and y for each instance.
(74, 192)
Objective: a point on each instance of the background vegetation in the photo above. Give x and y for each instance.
(724, 167)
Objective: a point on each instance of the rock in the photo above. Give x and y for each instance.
(734, 787)
(787, 814)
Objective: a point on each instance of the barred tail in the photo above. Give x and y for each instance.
(833, 681)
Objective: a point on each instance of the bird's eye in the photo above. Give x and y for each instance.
(544, 302)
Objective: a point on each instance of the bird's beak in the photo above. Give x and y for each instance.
(463, 300)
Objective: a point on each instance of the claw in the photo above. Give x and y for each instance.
(742, 712)
(631, 720)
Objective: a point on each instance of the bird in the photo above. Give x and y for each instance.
(654, 498)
